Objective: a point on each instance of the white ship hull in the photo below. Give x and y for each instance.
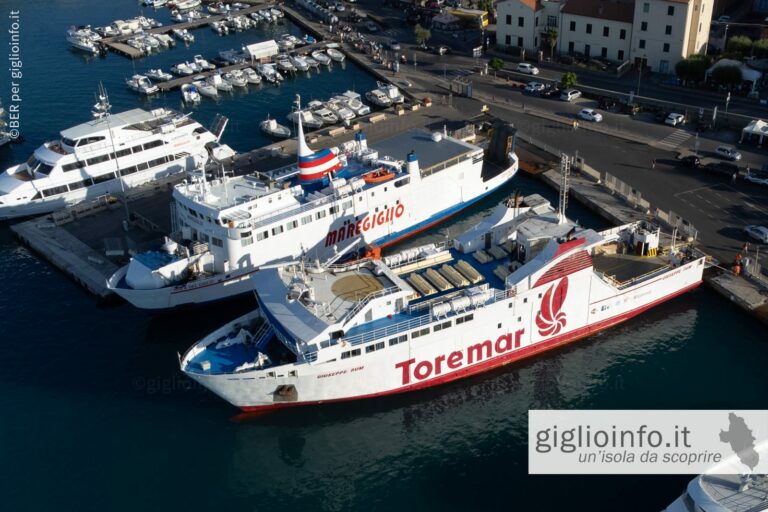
(505, 331)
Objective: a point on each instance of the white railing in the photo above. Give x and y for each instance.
(361, 304)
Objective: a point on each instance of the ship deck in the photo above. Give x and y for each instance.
(624, 268)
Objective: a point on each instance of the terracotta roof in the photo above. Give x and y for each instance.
(532, 4)
(616, 10)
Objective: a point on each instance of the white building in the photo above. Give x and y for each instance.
(653, 33)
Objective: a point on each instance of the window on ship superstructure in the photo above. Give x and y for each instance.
(89, 140)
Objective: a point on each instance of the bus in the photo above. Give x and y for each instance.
(476, 18)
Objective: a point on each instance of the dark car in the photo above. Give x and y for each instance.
(551, 91)
(690, 161)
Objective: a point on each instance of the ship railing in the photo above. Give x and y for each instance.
(368, 298)
(439, 247)
(282, 213)
(641, 277)
(390, 330)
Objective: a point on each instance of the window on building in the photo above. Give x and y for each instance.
(642, 43)
(671, 10)
(644, 26)
(520, 42)
(623, 33)
(509, 19)
(589, 28)
(646, 7)
(536, 21)
(508, 40)
(604, 53)
(573, 26)
(668, 30)
(666, 48)
(536, 42)
(571, 49)
(606, 31)
(520, 21)
(551, 21)
(620, 55)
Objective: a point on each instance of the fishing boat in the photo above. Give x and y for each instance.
(274, 129)
(105, 155)
(206, 89)
(322, 58)
(159, 75)
(335, 54)
(316, 206)
(142, 85)
(190, 94)
(252, 76)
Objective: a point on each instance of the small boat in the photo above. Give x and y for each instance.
(276, 13)
(206, 89)
(159, 75)
(166, 41)
(335, 54)
(308, 39)
(378, 176)
(353, 101)
(321, 57)
(378, 98)
(155, 3)
(267, 71)
(341, 111)
(219, 83)
(274, 129)
(311, 62)
(285, 64)
(190, 93)
(84, 44)
(108, 31)
(232, 56)
(142, 85)
(252, 76)
(218, 8)
(299, 62)
(183, 35)
(392, 92)
(152, 42)
(139, 44)
(183, 69)
(188, 5)
(236, 78)
(323, 112)
(255, 17)
(295, 41)
(202, 63)
(285, 45)
(220, 27)
(267, 15)
(308, 118)
(196, 68)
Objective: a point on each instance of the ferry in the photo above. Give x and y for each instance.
(523, 281)
(229, 227)
(106, 155)
(723, 493)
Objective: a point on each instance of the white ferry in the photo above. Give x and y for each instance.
(103, 156)
(229, 227)
(523, 281)
(723, 493)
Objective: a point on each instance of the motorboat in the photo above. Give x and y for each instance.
(285, 45)
(155, 3)
(292, 39)
(319, 109)
(378, 98)
(84, 44)
(285, 64)
(188, 5)
(391, 92)
(151, 41)
(308, 118)
(353, 102)
(312, 63)
(340, 110)
(220, 27)
(202, 63)
(232, 56)
(321, 57)
(183, 35)
(274, 129)
(308, 39)
(267, 15)
(206, 89)
(335, 54)
(183, 69)
(299, 62)
(252, 76)
(255, 17)
(219, 83)
(235, 78)
(159, 75)
(108, 31)
(267, 71)
(165, 40)
(142, 85)
(218, 8)
(276, 13)
(84, 31)
(190, 93)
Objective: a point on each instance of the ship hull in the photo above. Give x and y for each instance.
(509, 328)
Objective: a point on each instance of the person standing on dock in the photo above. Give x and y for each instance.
(653, 163)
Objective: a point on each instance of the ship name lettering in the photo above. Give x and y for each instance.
(474, 354)
(332, 374)
(370, 222)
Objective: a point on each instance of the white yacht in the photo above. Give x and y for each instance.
(353, 102)
(142, 85)
(236, 78)
(183, 35)
(308, 118)
(320, 206)
(378, 98)
(340, 110)
(322, 112)
(285, 64)
(252, 76)
(219, 83)
(391, 92)
(206, 89)
(321, 57)
(183, 69)
(103, 156)
(268, 72)
(159, 75)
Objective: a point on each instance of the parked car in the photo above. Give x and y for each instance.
(339, 7)
(589, 114)
(394, 45)
(690, 161)
(533, 87)
(674, 119)
(525, 67)
(570, 95)
(757, 177)
(441, 50)
(758, 233)
(371, 26)
(550, 91)
(728, 153)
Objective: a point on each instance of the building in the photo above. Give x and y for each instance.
(652, 33)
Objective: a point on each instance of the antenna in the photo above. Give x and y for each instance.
(565, 171)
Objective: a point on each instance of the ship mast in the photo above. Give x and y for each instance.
(565, 171)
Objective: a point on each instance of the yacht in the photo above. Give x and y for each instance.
(206, 89)
(236, 78)
(378, 98)
(108, 31)
(183, 69)
(159, 75)
(233, 56)
(335, 54)
(299, 62)
(387, 95)
(190, 94)
(329, 201)
(202, 63)
(142, 85)
(322, 112)
(219, 83)
(252, 76)
(84, 44)
(352, 101)
(340, 110)
(272, 128)
(103, 156)
(321, 57)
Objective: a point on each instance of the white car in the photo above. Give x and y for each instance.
(530, 69)
(533, 87)
(570, 95)
(728, 153)
(758, 233)
(674, 119)
(760, 178)
(589, 114)
(339, 7)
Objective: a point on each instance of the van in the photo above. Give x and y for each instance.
(570, 95)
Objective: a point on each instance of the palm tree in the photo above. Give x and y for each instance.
(552, 39)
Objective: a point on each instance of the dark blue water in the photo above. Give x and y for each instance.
(98, 417)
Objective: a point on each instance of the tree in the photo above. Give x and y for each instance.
(568, 80)
(727, 75)
(552, 36)
(422, 35)
(739, 44)
(496, 64)
(760, 47)
(692, 69)
(487, 6)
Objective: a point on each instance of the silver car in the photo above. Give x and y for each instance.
(728, 153)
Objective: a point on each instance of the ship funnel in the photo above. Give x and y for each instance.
(362, 144)
(314, 166)
(412, 163)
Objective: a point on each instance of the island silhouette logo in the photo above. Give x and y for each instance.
(741, 439)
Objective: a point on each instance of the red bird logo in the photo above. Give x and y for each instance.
(550, 319)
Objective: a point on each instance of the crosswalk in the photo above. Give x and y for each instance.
(674, 139)
(456, 73)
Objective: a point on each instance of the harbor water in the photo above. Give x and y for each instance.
(99, 417)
